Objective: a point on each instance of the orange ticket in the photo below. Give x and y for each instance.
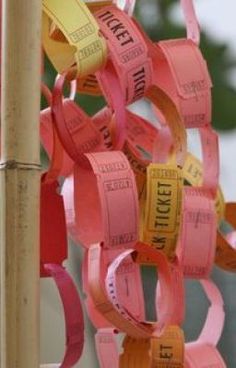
(166, 351)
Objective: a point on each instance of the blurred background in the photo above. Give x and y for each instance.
(162, 19)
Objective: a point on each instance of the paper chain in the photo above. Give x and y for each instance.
(132, 193)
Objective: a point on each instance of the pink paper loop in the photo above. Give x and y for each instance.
(74, 127)
(106, 347)
(211, 160)
(126, 5)
(166, 312)
(214, 323)
(128, 54)
(129, 7)
(128, 278)
(202, 356)
(192, 25)
(116, 101)
(96, 288)
(181, 71)
(47, 131)
(105, 192)
(163, 145)
(197, 239)
(177, 283)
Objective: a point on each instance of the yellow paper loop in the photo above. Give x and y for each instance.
(79, 48)
(163, 207)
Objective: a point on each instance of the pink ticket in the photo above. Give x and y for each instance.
(97, 291)
(212, 330)
(166, 310)
(129, 283)
(116, 102)
(75, 128)
(211, 160)
(137, 149)
(192, 25)
(128, 53)
(97, 318)
(140, 133)
(46, 135)
(126, 5)
(177, 283)
(105, 193)
(131, 294)
(197, 241)
(231, 238)
(106, 347)
(181, 71)
(203, 353)
(163, 145)
(85, 137)
(202, 356)
(68, 196)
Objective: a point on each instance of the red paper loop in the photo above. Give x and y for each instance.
(53, 251)
(56, 162)
(53, 237)
(73, 313)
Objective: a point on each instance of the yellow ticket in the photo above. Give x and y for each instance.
(89, 85)
(78, 47)
(192, 172)
(163, 207)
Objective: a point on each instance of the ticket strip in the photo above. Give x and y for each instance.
(129, 192)
(53, 251)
